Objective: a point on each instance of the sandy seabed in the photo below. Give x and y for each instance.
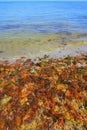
(33, 45)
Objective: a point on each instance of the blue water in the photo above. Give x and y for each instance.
(44, 16)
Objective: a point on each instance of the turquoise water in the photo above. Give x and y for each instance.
(44, 17)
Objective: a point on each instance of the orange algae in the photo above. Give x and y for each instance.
(50, 94)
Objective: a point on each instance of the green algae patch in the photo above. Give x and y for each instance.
(5, 100)
(37, 44)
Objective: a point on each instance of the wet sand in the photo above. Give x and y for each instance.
(33, 45)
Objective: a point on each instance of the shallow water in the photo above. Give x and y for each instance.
(37, 45)
(36, 28)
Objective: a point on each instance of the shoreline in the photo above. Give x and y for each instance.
(56, 54)
(46, 90)
(36, 46)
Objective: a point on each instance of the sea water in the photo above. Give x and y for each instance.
(36, 28)
(44, 17)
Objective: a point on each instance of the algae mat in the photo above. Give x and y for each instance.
(35, 44)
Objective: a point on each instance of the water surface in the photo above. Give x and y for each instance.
(44, 16)
(40, 27)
